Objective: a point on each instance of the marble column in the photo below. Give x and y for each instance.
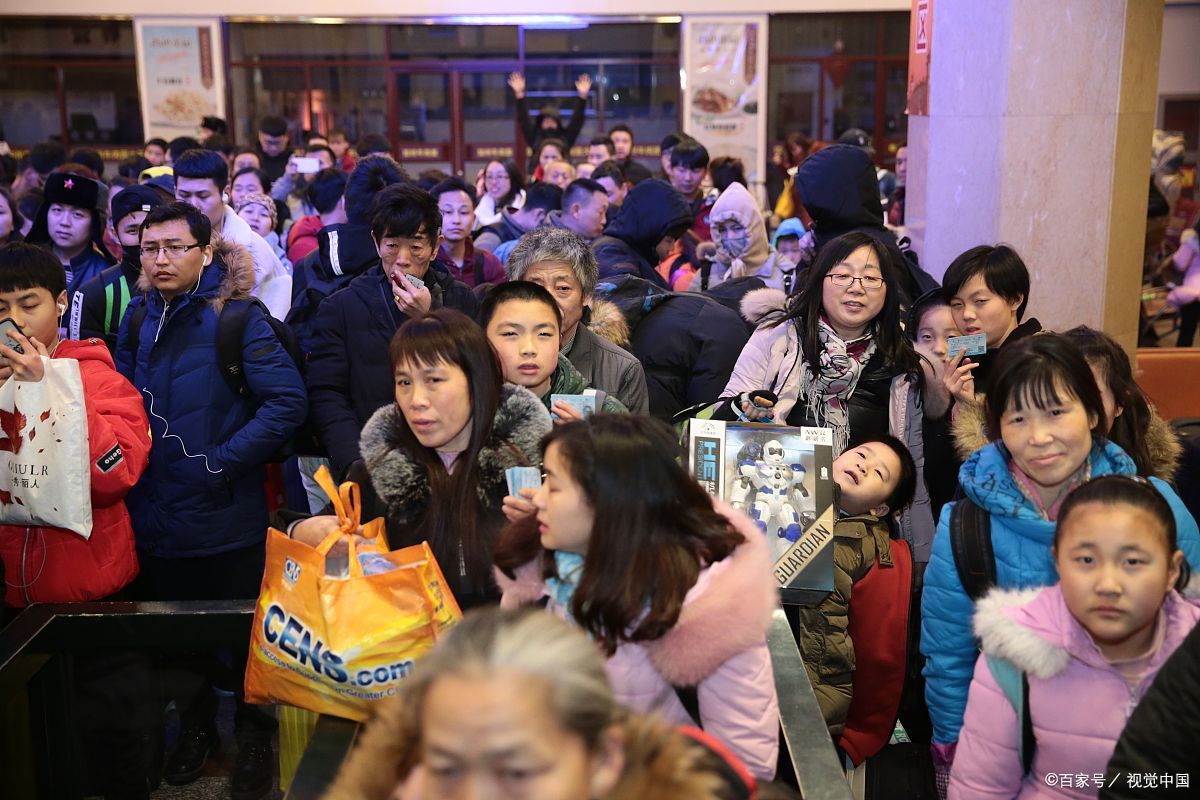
(1038, 135)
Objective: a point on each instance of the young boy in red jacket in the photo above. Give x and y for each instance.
(116, 697)
(51, 565)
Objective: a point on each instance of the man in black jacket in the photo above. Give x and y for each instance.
(652, 217)
(344, 251)
(349, 374)
(540, 199)
(548, 124)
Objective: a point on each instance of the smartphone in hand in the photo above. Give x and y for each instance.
(7, 325)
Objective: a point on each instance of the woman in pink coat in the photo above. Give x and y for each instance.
(676, 590)
(1089, 649)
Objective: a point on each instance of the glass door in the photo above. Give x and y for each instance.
(422, 121)
(489, 125)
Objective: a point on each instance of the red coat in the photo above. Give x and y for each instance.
(302, 238)
(61, 566)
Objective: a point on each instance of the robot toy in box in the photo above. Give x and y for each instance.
(771, 490)
(780, 478)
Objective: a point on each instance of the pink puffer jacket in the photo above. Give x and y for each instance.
(718, 645)
(1078, 702)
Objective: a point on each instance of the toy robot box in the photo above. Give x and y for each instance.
(781, 478)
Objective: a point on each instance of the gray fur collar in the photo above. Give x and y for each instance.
(403, 483)
(1002, 635)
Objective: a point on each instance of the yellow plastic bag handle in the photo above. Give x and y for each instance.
(347, 504)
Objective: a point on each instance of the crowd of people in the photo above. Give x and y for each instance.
(240, 313)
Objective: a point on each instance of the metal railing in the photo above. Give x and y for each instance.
(37, 654)
(36, 658)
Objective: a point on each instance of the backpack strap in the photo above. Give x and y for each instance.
(705, 271)
(478, 257)
(971, 545)
(1015, 685)
(109, 291)
(114, 306)
(135, 329)
(231, 332)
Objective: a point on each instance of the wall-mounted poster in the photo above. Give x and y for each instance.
(180, 74)
(724, 88)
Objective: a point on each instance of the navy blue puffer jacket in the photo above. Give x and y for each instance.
(349, 371)
(202, 492)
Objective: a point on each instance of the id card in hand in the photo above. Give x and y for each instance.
(973, 345)
(522, 477)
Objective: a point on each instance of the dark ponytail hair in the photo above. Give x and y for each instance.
(1130, 490)
(1128, 430)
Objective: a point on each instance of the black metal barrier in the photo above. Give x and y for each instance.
(811, 755)
(37, 651)
(36, 659)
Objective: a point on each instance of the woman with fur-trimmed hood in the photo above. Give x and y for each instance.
(834, 356)
(1133, 424)
(518, 704)
(434, 460)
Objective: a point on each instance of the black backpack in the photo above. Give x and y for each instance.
(975, 561)
(231, 331)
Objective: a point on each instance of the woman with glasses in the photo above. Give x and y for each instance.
(503, 187)
(834, 356)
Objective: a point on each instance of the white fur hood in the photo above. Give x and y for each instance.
(1034, 629)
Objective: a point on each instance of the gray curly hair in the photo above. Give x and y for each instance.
(554, 244)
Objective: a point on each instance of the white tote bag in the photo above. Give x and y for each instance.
(45, 473)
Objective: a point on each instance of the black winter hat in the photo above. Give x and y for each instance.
(69, 189)
(134, 198)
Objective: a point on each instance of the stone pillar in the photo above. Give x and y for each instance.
(1038, 135)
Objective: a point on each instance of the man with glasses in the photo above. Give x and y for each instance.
(199, 513)
(349, 372)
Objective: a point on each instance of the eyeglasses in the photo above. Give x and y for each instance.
(867, 282)
(173, 250)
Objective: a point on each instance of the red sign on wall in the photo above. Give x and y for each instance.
(920, 46)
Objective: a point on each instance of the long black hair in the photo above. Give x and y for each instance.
(448, 336)
(646, 549)
(806, 308)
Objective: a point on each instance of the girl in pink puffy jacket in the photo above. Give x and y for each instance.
(1087, 649)
(676, 590)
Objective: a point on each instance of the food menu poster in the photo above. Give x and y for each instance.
(724, 88)
(180, 74)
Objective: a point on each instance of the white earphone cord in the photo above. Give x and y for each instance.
(167, 435)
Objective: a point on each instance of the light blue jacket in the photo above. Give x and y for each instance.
(1021, 540)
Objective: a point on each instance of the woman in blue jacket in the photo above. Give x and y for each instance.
(1044, 413)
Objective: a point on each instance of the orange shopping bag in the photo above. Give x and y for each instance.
(337, 644)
